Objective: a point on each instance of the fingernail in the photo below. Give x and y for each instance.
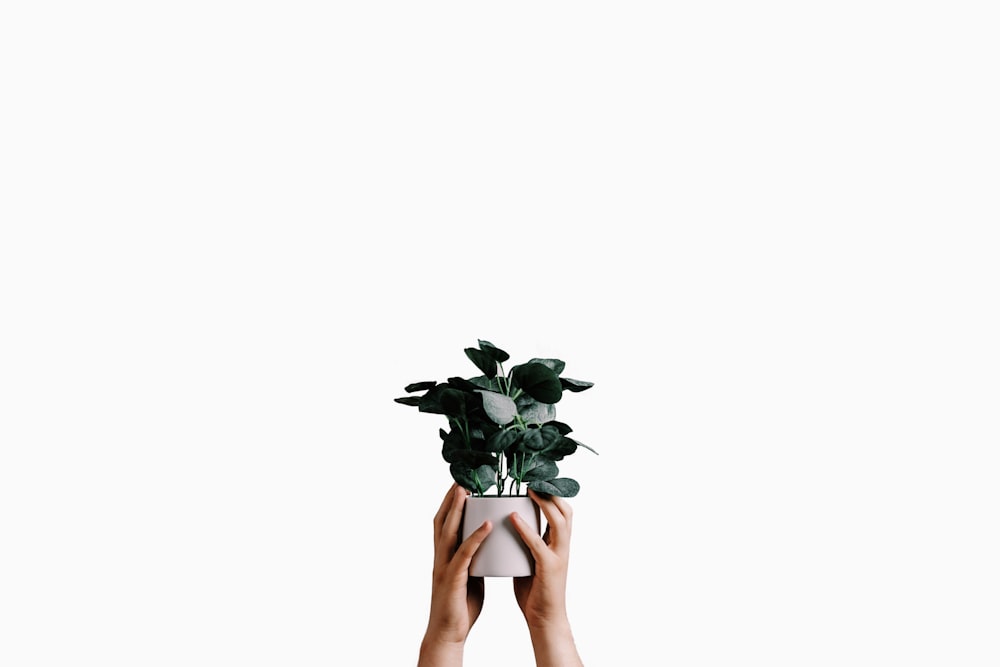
(515, 516)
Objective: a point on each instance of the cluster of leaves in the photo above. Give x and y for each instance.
(502, 426)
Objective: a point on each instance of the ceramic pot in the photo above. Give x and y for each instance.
(503, 552)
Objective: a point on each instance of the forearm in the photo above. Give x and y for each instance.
(434, 653)
(554, 646)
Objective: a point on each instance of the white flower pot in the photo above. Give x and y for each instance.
(503, 553)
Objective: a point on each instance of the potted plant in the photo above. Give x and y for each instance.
(502, 438)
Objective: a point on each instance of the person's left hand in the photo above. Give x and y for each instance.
(456, 598)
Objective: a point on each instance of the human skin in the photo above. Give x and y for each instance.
(456, 597)
(542, 596)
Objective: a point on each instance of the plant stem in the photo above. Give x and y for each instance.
(517, 474)
(500, 476)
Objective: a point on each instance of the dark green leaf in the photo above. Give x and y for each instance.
(474, 479)
(462, 384)
(453, 403)
(538, 381)
(501, 440)
(538, 469)
(408, 400)
(483, 382)
(419, 386)
(477, 444)
(554, 365)
(531, 440)
(452, 445)
(473, 458)
(540, 439)
(493, 351)
(562, 486)
(431, 401)
(563, 429)
(483, 361)
(575, 385)
(561, 448)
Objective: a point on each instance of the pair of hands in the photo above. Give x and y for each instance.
(457, 598)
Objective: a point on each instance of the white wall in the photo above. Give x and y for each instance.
(230, 234)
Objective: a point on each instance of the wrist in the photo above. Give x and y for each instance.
(550, 627)
(437, 652)
(440, 631)
(553, 644)
(552, 622)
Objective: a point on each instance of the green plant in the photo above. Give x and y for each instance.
(502, 427)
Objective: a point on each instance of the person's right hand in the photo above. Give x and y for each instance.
(456, 597)
(542, 596)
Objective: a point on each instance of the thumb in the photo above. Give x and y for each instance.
(463, 557)
(533, 540)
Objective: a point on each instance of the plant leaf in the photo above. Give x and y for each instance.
(462, 384)
(563, 429)
(499, 408)
(419, 386)
(554, 365)
(540, 439)
(532, 411)
(501, 440)
(531, 440)
(562, 486)
(408, 400)
(452, 444)
(575, 385)
(483, 361)
(467, 476)
(453, 403)
(483, 382)
(493, 351)
(473, 458)
(431, 401)
(539, 469)
(580, 444)
(483, 431)
(560, 449)
(538, 381)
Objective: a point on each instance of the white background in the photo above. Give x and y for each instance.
(230, 233)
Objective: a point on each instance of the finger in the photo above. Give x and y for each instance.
(531, 539)
(449, 530)
(564, 507)
(567, 528)
(442, 510)
(558, 526)
(463, 557)
(548, 507)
